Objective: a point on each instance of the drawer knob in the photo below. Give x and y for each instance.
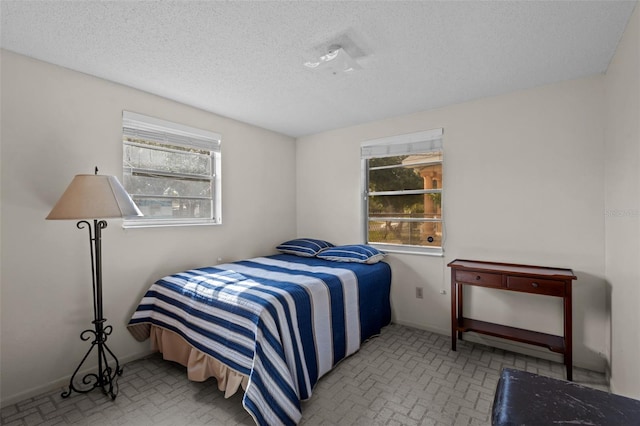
(536, 285)
(478, 278)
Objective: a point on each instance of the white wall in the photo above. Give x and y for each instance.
(523, 183)
(57, 123)
(622, 203)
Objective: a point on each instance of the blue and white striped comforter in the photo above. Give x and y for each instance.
(284, 321)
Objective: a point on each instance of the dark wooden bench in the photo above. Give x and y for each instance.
(529, 399)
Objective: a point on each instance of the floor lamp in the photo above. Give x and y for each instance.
(95, 197)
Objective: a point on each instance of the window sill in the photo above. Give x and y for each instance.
(420, 251)
(131, 224)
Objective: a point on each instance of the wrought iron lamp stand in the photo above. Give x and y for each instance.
(106, 377)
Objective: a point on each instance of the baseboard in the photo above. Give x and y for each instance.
(508, 345)
(436, 330)
(62, 382)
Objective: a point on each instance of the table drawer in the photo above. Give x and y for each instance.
(536, 285)
(479, 278)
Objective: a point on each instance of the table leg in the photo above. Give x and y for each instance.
(454, 320)
(460, 294)
(568, 332)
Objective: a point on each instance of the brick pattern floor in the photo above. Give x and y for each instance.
(403, 377)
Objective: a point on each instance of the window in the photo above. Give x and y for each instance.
(402, 192)
(171, 171)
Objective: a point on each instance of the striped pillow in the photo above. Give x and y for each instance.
(360, 253)
(307, 247)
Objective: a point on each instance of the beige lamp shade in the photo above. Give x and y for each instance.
(94, 197)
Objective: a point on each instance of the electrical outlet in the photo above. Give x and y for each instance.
(418, 292)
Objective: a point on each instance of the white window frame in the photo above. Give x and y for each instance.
(410, 143)
(151, 128)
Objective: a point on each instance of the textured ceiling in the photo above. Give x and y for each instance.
(244, 60)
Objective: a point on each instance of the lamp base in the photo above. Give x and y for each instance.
(106, 377)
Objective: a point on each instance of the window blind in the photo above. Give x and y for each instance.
(412, 143)
(154, 129)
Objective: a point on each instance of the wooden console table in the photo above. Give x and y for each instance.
(523, 278)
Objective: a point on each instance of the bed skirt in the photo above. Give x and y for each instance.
(200, 366)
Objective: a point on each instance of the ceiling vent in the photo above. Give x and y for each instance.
(336, 61)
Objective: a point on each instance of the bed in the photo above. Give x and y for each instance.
(272, 325)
